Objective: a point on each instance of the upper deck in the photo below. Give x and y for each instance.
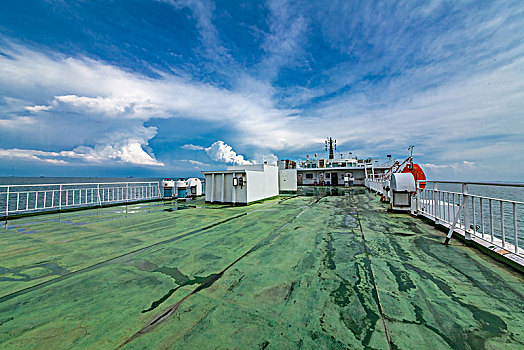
(294, 272)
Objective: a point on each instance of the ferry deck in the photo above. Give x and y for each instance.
(312, 272)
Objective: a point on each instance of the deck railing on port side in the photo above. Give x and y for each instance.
(495, 220)
(24, 199)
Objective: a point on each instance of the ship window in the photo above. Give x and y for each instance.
(309, 176)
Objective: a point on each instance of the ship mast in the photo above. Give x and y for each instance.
(332, 144)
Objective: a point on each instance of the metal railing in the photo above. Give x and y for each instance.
(495, 220)
(376, 185)
(23, 199)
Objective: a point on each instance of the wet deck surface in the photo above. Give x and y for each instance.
(295, 272)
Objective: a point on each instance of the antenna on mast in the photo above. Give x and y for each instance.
(410, 149)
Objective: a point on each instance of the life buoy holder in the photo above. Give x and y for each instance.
(418, 175)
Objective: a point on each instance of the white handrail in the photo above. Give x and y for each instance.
(82, 184)
(23, 199)
(494, 220)
(501, 227)
(485, 183)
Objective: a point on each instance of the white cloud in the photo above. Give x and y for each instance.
(124, 101)
(284, 44)
(105, 105)
(197, 164)
(455, 166)
(270, 158)
(459, 170)
(222, 152)
(192, 147)
(127, 152)
(32, 155)
(38, 108)
(456, 93)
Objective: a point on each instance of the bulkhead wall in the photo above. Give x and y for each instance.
(261, 185)
(220, 189)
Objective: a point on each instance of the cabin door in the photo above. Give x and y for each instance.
(334, 179)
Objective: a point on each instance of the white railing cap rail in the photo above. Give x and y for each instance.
(84, 184)
(508, 184)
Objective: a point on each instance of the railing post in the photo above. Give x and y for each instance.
(98, 194)
(60, 199)
(481, 216)
(7, 203)
(127, 191)
(436, 203)
(491, 220)
(502, 224)
(516, 237)
(467, 221)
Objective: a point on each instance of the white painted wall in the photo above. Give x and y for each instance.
(262, 184)
(287, 179)
(194, 184)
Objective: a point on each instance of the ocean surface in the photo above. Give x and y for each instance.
(502, 192)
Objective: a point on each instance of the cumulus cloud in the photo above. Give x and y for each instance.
(129, 152)
(222, 152)
(262, 158)
(192, 147)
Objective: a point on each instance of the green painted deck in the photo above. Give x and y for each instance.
(306, 272)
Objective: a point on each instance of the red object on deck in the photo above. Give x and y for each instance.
(418, 174)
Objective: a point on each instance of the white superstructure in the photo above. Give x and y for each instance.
(241, 184)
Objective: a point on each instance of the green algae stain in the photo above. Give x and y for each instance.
(490, 324)
(30, 273)
(402, 278)
(174, 273)
(158, 302)
(330, 253)
(181, 280)
(341, 295)
(263, 345)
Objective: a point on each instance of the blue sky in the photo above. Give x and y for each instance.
(170, 88)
